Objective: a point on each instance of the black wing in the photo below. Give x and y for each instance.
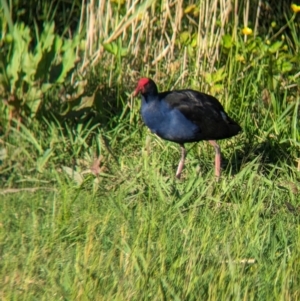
(203, 110)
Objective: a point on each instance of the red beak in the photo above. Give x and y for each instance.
(136, 92)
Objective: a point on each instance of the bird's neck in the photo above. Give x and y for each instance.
(150, 97)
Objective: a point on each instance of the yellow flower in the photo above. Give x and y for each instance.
(247, 31)
(295, 8)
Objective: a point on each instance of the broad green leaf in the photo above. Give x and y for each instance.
(252, 46)
(208, 78)
(285, 66)
(215, 77)
(189, 8)
(33, 99)
(194, 41)
(68, 62)
(191, 50)
(216, 88)
(58, 44)
(28, 66)
(275, 47)
(184, 37)
(43, 67)
(86, 102)
(240, 58)
(34, 93)
(111, 48)
(45, 87)
(47, 36)
(8, 38)
(34, 106)
(124, 51)
(227, 41)
(219, 75)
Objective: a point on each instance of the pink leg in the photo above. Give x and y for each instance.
(181, 162)
(217, 158)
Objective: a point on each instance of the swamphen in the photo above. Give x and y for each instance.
(185, 116)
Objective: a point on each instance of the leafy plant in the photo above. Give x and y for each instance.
(28, 72)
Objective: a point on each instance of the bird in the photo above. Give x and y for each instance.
(184, 116)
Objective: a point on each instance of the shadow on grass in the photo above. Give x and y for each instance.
(271, 152)
(99, 103)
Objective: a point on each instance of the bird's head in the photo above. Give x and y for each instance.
(145, 86)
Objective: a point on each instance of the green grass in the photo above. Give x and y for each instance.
(137, 233)
(152, 240)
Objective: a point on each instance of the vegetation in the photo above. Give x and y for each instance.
(90, 208)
